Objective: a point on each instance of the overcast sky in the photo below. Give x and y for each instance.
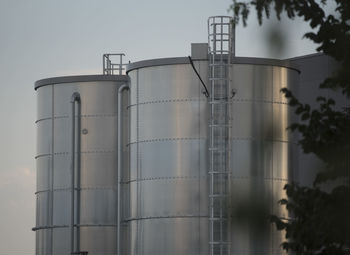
(45, 38)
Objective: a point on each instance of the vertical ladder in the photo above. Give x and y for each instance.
(220, 50)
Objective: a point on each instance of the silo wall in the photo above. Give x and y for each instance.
(165, 158)
(168, 158)
(168, 182)
(95, 225)
(263, 154)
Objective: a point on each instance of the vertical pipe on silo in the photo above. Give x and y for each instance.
(233, 39)
(119, 149)
(74, 99)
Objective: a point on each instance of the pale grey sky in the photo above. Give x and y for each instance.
(44, 38)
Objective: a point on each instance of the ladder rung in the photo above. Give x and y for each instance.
(219, 64)
(219, 54)
(212, 34)
(218, 219)
(218, 79)
(220, 243)
(217, 150)
(220, 24)
(219, 102)
(218, 196)
(219, 126)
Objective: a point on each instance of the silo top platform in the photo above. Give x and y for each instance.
(79, 78)
(235, 60)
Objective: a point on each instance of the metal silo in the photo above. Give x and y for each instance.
(77, 113)
(168, 158)
(199, 139)
(169, 179)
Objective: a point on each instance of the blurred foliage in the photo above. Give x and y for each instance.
(276, 39)
(326, 133)
(249, 209)
(320, 221)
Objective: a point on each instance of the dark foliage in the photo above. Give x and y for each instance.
(321, 224)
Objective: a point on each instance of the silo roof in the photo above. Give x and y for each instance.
(79, 78)
(235, 60)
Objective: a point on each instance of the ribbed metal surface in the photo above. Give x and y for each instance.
(262, 151)
(168, 182)
(98, 178)
(164, 207)
(168, 161)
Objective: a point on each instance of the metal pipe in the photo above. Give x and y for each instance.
(233, 40)
(74, 99)
(120, 90)
(121, 65)
(206, 92)
(78, 171)
(103, 64)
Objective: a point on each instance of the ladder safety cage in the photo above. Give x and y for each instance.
(113, 68)
(220, 50)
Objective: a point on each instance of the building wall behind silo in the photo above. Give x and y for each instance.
(168, 163)
(98, 178)
(315, 68)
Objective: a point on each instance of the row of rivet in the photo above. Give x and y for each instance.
(82, 116)
(232, 177)
(167, 139)
(82, 188)
(82, 152)
(204, 138)
(75, 225)
(198, 99)
(165, 217)
(167, 101)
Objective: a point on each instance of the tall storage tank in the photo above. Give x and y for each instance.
(168, 158)
(168, 182)
(95, 144)
(165, 175)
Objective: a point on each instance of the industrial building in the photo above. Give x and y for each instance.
(153, 160)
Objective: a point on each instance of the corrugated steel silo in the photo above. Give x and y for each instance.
(168, 158)
(95, 157)
(189, 162)
(168, 184)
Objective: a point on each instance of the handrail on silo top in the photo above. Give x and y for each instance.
(74, 99)
(111, 68)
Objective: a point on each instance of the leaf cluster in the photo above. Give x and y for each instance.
(321, 223)
(326, 133)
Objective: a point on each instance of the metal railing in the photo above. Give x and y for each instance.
(113, 68)
(220, 51)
